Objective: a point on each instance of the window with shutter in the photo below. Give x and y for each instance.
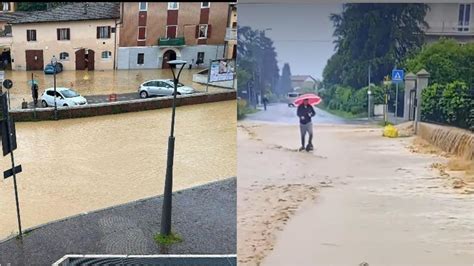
(203, 31)
(63, 34)
(141, 33)
(103, 32)
(31, 35)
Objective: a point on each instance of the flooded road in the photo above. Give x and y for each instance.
(79, 165)
(94, 82)
(376, 201)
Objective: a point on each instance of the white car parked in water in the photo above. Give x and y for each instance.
(64, 97)
(162, 87)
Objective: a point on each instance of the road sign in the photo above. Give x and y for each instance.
(397, 75)
(6, 130)
(9, 172)
(7, 84)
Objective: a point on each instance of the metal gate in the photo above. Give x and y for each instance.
(411, 105)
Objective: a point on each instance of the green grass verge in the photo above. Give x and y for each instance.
(340, 113)
(166, 240)
(242, 112)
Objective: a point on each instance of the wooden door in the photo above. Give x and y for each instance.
(90, 57)
(34, 59)
(80, 59)
(168, 56)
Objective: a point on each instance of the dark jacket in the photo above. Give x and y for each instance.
(305, 113)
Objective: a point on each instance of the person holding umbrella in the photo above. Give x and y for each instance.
(305, 112)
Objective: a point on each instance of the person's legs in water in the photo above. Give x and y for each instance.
(310, 140)
(303, 134)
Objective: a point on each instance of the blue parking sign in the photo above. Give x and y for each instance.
(397, 75)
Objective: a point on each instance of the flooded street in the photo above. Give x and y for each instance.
(79, 165)
(357, 198)
(94, 82)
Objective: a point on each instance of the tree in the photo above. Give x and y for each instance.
(446, 61)
(38, 6)
(379, 35)
(285, 80)
(256, 60)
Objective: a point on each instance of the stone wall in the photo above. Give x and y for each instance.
(454, 140)
(120, 107)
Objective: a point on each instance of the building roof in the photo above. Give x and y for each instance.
(10, 16)
(302, 78)
(71, 12)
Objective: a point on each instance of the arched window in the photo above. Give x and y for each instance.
(106, 54)
(64, 56)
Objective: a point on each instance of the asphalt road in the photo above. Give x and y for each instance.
(204, 216)
(281, 113)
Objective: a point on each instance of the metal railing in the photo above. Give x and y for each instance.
(451, 28)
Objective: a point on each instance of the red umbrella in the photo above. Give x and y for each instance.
(313, 99)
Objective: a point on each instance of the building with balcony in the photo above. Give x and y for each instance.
(80, 35)
(453, 20)
(231, 33)
(153, 33)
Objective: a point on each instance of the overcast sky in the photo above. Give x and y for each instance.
(302, 33)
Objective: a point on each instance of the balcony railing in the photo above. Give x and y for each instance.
(449, 28)
(231, 34)
(171, 41)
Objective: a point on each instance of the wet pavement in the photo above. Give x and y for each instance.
(204, 216)
(281, 113)
(99, 82)
(79, 165)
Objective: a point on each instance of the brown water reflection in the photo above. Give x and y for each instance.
(94, 82)
(78, 165)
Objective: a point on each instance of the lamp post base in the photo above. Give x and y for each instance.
(167, 196)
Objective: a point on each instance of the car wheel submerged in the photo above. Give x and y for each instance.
(44, 103)
(143, 94)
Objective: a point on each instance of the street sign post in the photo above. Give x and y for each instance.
(8, 145)
(8, 84)
(397, 77)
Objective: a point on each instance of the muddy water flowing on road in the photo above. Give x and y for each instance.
(79, 165)
(93, 82)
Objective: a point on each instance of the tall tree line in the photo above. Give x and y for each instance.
(377, 35)
(257, 63)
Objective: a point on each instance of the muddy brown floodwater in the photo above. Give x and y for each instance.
(79, 165)
(94, 82)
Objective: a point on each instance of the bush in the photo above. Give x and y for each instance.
(450, 104)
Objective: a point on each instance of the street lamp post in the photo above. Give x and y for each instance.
(166, 215)
(53, 63)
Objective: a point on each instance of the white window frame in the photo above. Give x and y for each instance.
(464, 27)
(208, 5)
(8, 6)
(66, 59)
(140, 6)
(138, 35)
(173, 8)
(166, 32)
(207, 28)
(109, 55)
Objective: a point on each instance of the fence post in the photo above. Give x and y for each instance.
(421, 83)
(410, 84)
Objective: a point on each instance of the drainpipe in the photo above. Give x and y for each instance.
(115, 35)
